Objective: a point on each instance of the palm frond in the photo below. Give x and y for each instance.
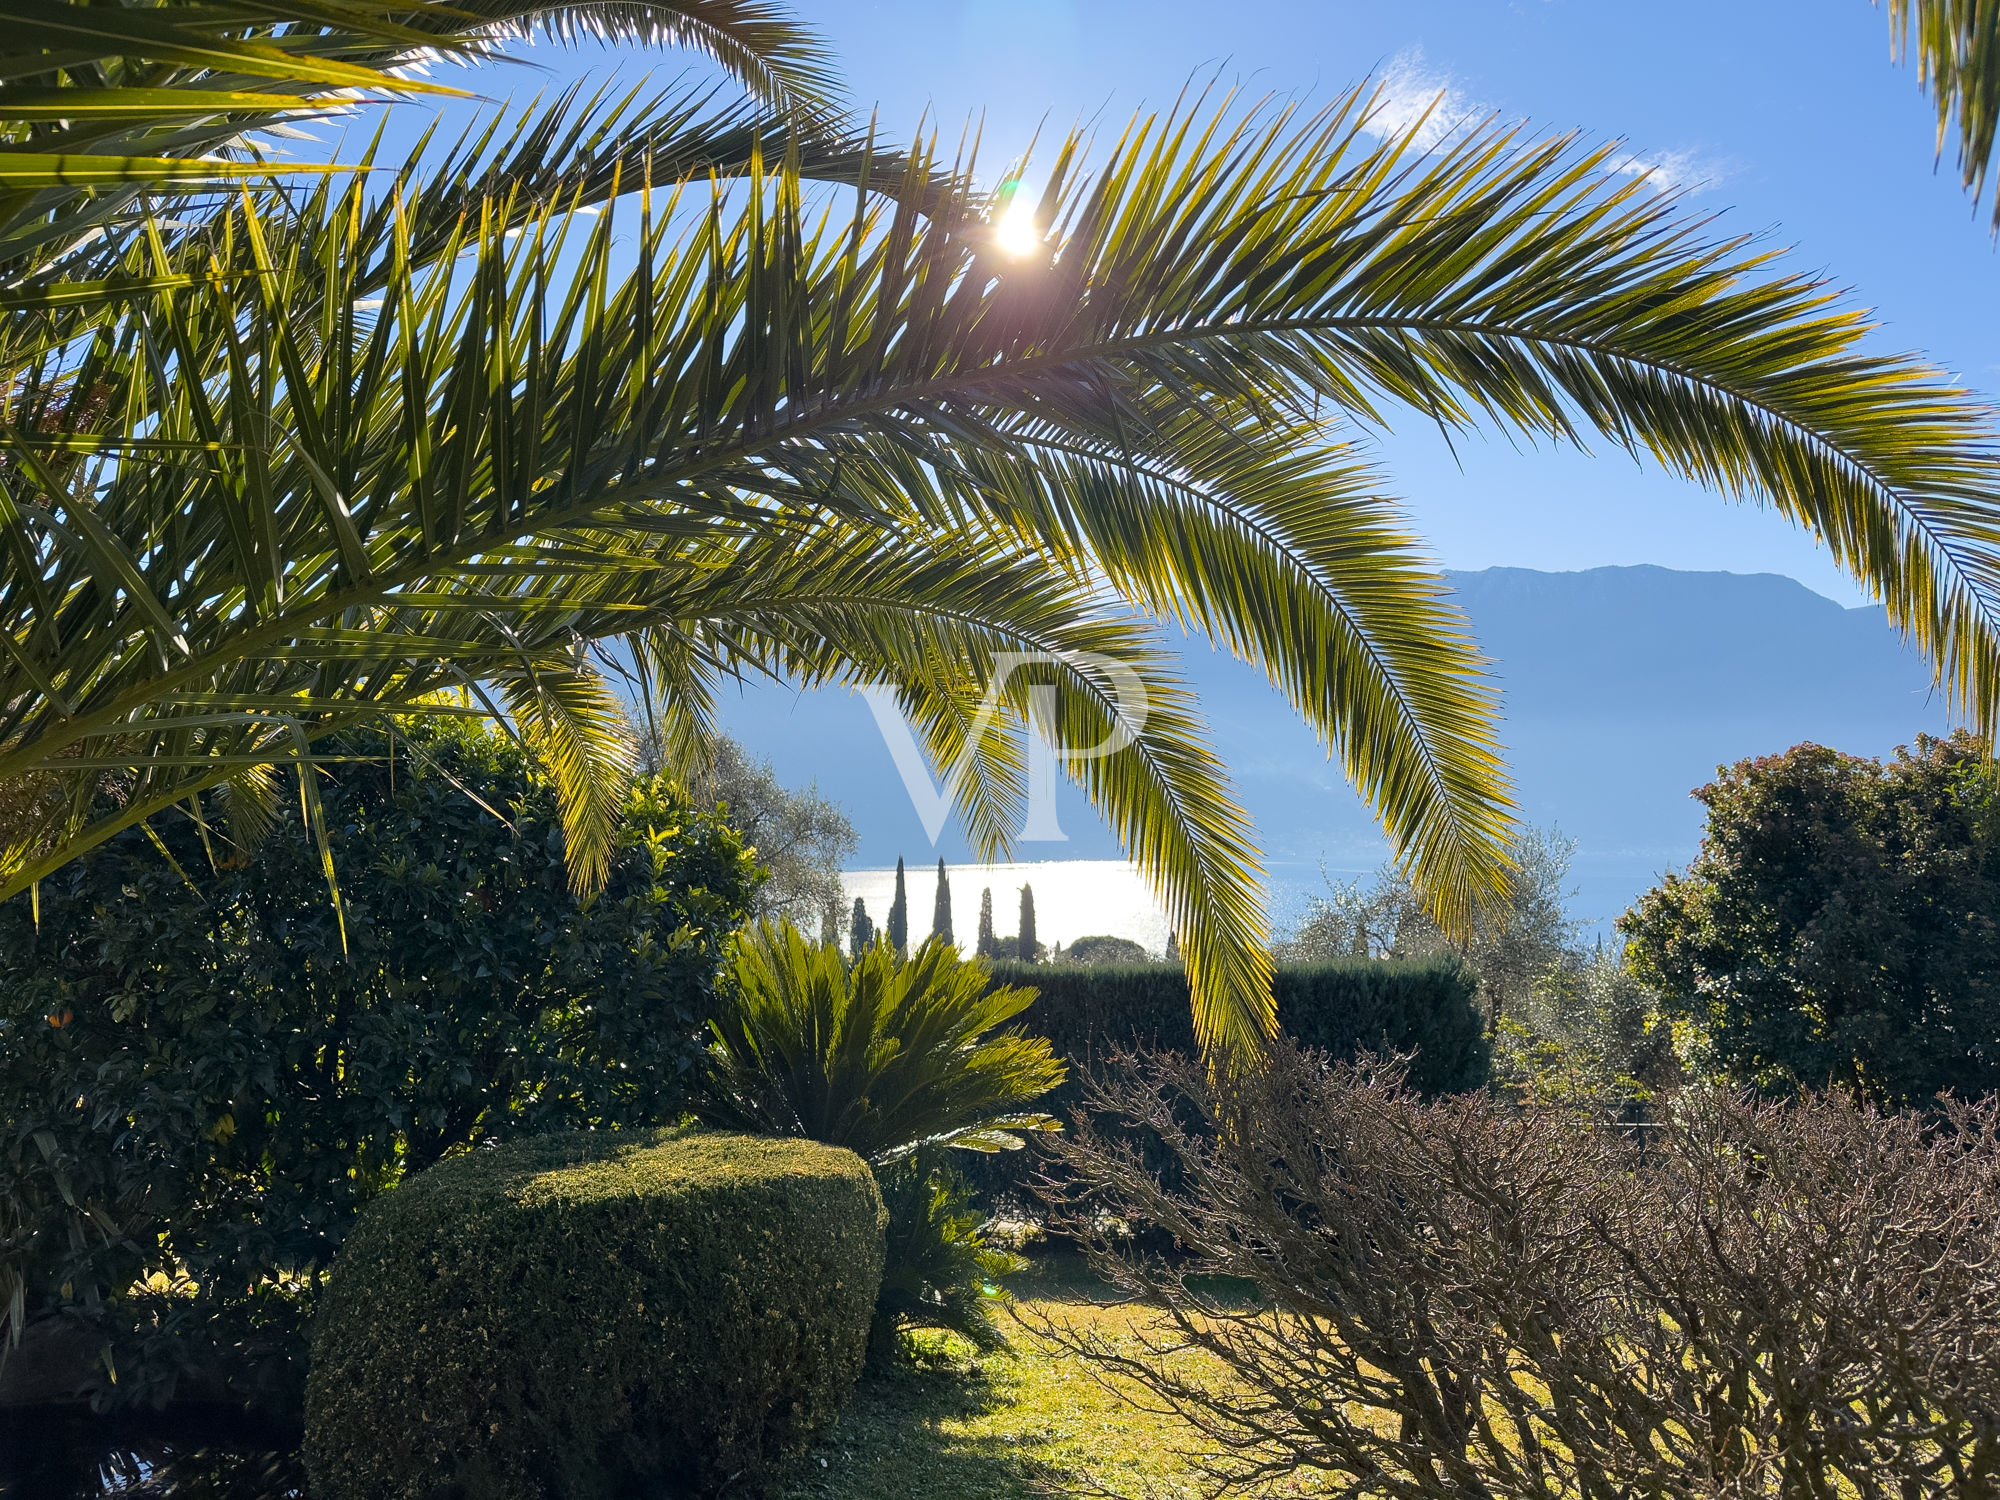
(1957, 47)
(576, 726)
(313, 465)
(757, 43)
(886, 1056)
(103, 103)
(984, 646)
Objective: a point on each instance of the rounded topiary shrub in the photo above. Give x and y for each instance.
(589, 1315)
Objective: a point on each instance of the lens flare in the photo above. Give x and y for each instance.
(1017, 233)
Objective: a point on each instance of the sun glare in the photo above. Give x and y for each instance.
(1017, 232)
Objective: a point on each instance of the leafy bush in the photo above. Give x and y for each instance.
(939, 1270)
(894, 1059)
(592, 1315)
(199, 1082)
(1099, 949)
(1423, 1007)
(1841, 923)
(1590, 1033)
(1465, 1297)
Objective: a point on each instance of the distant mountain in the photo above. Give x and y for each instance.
(1623, 689)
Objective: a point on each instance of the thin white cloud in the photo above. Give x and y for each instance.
(1426, 103)
(1412, 96)
(1672, 171)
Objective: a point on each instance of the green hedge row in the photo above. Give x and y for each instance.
(1422, 1006)
(591, 1315)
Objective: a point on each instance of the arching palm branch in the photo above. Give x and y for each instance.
(102, 105)
(850, 440)
(1957, 47)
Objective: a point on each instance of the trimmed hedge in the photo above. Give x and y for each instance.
(592, 1315)
(1420, 1006)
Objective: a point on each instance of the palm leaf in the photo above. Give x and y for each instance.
(100, 101)
(441, 435)
(1957, 46)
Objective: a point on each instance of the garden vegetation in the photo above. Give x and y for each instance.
(589, 1315)
(1840, 926)
(1463, 1297)
(207, 1069)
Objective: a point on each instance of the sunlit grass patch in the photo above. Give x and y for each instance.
(1028, 1422)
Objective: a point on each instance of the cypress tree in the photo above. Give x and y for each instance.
(988, 946)
(860, 931)
(941, 908)
(829, 924)
(1027, 928)
(899, 913)
(1173, 946)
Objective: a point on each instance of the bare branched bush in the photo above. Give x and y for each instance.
(1466, 1298)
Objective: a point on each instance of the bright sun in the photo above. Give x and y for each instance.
(1016, 232)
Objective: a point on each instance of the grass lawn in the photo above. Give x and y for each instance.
(1027, 1423)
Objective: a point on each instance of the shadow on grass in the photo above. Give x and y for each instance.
(894, 1439)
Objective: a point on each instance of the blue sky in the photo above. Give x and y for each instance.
(1783, 118)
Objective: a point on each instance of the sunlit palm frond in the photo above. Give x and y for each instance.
(1957, 47)
(984, 645)
(757, 43)
(1279, 546)
(104, 104)
(575, 725)
(885, 1056)
(334, 476)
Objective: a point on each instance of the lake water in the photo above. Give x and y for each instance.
(1073, 898)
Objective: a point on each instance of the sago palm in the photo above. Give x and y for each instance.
(431, 445)
(887, 1056)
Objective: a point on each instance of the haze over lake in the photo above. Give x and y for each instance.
(1622, 690)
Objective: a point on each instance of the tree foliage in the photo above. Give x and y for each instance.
(800, 839)
(1840, 924)
(897, 928)
(1515, 945)
(200, 1080)
(1101, 948)
(986, 944)
(941, 907)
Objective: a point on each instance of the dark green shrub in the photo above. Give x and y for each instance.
(228, 1085)
(895, 1058)
(1418, 1006)
(590, 1314)
(1840, 925)
(938, 1271)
